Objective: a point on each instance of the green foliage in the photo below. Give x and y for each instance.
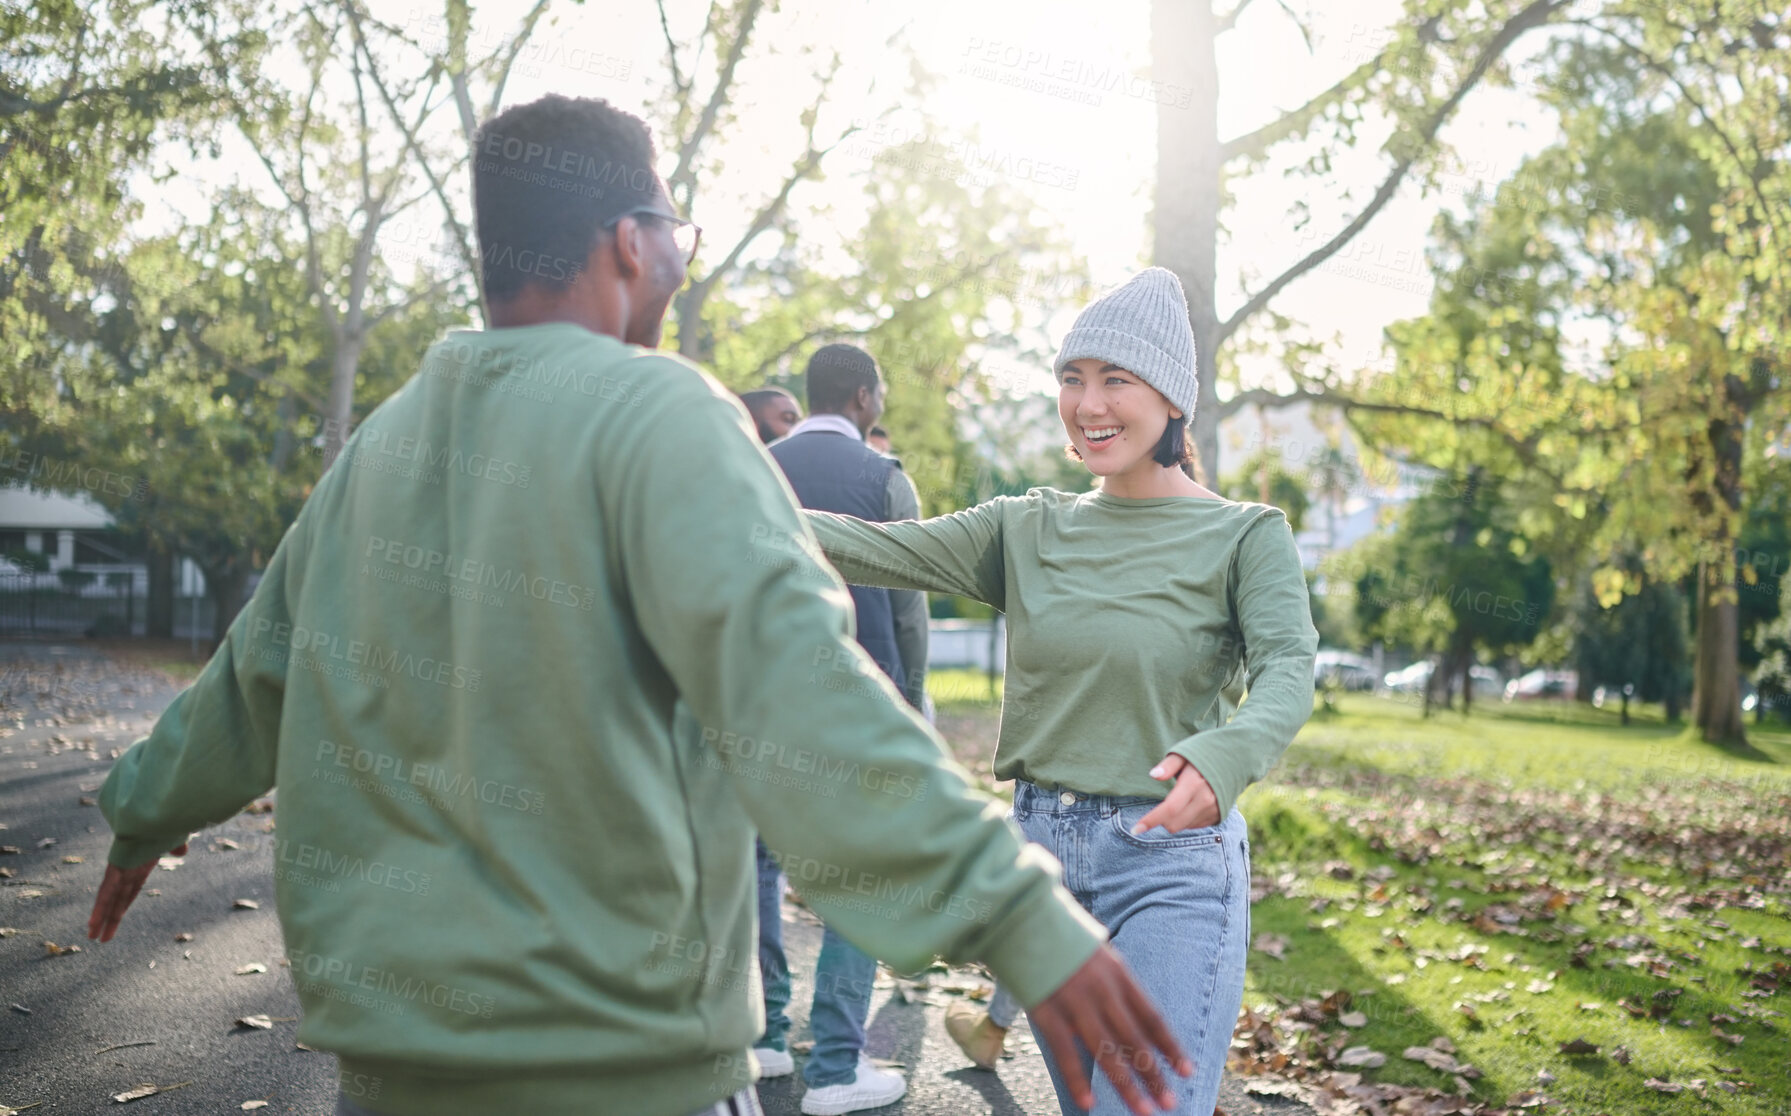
(1454, 575)
(1287, 488)
(1640, 641)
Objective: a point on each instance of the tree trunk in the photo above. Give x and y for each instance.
(224, 583)
(1716, 693)
(340, 416)
(1186, 220)
(159, 612)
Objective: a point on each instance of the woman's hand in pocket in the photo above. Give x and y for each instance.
(1191, 804)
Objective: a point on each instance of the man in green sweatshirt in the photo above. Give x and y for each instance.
(507, 882)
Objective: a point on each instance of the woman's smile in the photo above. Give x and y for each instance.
(1099, 436)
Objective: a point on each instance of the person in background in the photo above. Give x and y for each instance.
(878, 439)
(829, 466)
(462, 668)
(1139, 614)
(773, 410)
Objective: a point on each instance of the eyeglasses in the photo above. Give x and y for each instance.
(686, 235)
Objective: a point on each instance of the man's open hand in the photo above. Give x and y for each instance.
(116, 893)
(1104, 1007)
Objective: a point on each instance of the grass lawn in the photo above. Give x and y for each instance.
(1548, 910)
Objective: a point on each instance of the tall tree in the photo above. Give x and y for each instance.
(1437, 53)
(1637, 220)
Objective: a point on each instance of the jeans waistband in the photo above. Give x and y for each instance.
(1043, 799)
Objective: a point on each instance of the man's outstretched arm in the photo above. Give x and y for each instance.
(212, 751)
(893, 844)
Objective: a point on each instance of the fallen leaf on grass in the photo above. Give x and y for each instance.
(8, 931)
(183, 936)
(89, 800)
(1434, 1058)
(223, 843)
(251, 969)
(51, 949)
(250, 1106)
(1579, 1046)
(170, 863)
(259, 1022)
(1365, 1057)
(1353, 1019)
(1275, 945)
(8, 1111)
(47, 842)
(246, 905)
(1621, 1055)
(1732, 1040)
(1529, 1098)
(74, 860)
(10, 850)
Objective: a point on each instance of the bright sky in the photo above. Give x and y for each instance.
(1100, 155)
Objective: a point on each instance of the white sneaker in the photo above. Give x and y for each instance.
(872, 1088)
(773, 1063)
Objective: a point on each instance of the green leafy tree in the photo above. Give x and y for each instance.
(1454, 580)
(1639, 642)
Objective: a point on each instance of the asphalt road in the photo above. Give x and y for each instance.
(76, 1028)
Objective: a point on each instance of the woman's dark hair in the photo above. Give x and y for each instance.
(546, 177)
(1174, 448)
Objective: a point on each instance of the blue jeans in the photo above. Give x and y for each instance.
(844, 977)
(743, 1103)
(1176, 906)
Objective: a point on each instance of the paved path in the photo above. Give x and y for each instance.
(63, 712)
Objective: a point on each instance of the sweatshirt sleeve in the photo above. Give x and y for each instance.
(902, 854)
(1274, 617)
(213, 750)
(959, 553)
(909, 606)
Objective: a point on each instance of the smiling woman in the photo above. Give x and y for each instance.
(1126, 388)
(1137, 614)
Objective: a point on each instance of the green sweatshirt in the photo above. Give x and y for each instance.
(1134, 628)
(506, 883)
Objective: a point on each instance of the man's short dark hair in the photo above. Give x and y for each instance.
(546, 176)
(876, 432)
(835, 373)
(759, 397)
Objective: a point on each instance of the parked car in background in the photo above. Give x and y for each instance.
(1343, 668)
(1541, 684)
(1413, 679)
(1410, 680)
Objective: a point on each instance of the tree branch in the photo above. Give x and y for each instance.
(463, 240)
(502, 76)
(1230, 19)
(771, 210)
(1292, 122)
(1533, 15)
(682, 182)
(680, 86)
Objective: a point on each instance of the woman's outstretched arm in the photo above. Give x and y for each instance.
(959, 553)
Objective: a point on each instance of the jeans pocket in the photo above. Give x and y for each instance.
(1125, 817)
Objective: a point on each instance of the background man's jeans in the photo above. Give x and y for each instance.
(743, 1103)
(844, 976)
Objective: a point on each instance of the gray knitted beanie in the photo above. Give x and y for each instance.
(1141, 326)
